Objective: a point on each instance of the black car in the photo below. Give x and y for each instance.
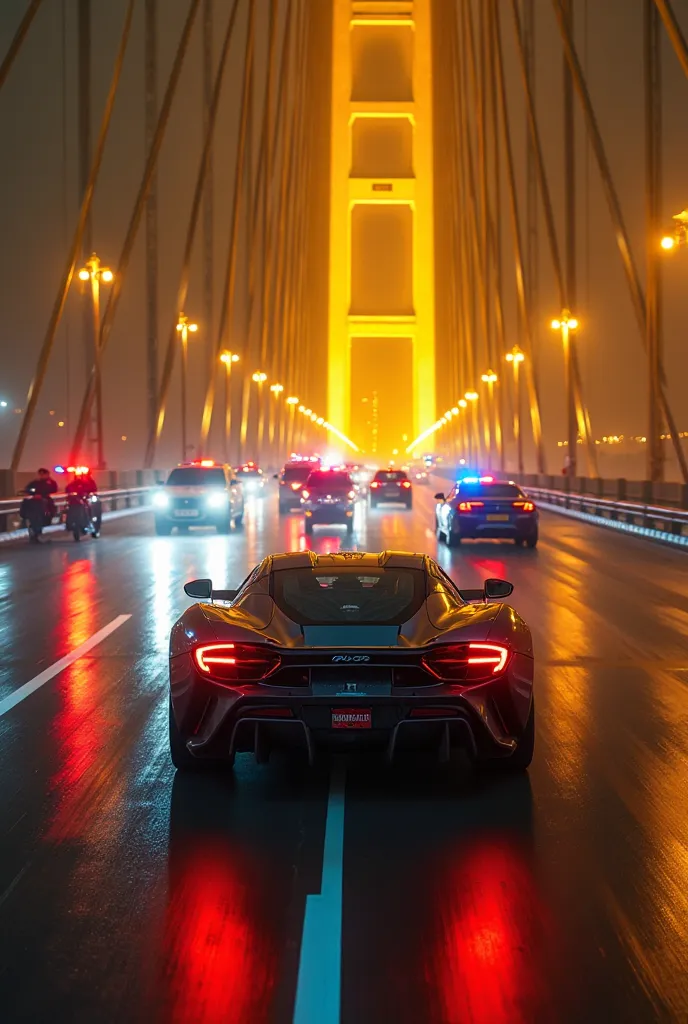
(349, 650)
(391, 485)
(328, 499)
(484, 507)
(292, 480)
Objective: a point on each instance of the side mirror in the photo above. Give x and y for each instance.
(497, 589)
(275, 476)
(200, 590)
(440, 497)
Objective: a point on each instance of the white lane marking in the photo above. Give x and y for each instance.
(57, 527)
(49, 673)
(318, 988)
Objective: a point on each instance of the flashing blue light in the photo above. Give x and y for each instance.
(59, 469)
(469, 480)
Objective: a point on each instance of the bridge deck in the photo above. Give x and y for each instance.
(127, 894)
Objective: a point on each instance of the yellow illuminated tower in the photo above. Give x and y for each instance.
(381, 367)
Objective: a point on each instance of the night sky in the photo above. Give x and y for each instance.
(39, 189)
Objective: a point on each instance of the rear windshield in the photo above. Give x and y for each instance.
(294, 474)
(384, 597)
(249, 472)
(390, 476)
(195, 476)
(329, 481)
(490, 491)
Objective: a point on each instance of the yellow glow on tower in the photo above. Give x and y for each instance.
(381, 303)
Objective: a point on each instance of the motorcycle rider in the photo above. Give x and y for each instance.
(83, 485)
(46, 486)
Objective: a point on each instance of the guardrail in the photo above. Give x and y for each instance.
(112, 501)
(654, 521)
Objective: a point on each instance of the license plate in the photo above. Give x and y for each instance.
(497, 519)
(186, 513)
(352, 718)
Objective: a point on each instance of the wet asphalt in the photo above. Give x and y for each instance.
(129, 895)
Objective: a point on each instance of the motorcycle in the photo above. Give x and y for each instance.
(83, 515)
(35, 513)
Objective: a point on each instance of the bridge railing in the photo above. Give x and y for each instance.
(112, 501)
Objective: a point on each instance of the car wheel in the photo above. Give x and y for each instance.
(182, 760)
(308, 527)
(523, 754)
(531, 542)
(519, 541)
(239, 521)
(409, 505)
(162, 529)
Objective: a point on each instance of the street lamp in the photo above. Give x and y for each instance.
(567, 323)
(228, 359)
(94, 272)
(490, 378)
(259, 378)
(184, 327)
(472, 397)
(679, 235)
(276, 390)
(292, 402)
(516, 357)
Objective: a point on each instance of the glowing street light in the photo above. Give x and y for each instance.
(228, 359)
(275, 390)
(679, 235)
(516, 357)
(94, 272)
(184, 328)
(567, 323)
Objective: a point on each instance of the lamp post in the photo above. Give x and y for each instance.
(94, 272)
(567, 323)
(472, 398)
(516, 357)
(259, 378)
(489, 378)
(275, 390)
(292, 402)
(228, 358)
(184, 327)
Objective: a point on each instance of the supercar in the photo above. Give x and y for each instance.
(350, 650)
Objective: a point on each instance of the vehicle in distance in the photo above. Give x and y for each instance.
(391, 485)
(199, 494)
(484, 507)
(251, 477)
(328, 499)
(350, 650)
(292, 480)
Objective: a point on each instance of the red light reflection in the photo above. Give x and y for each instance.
(486, 965)
(219, 968)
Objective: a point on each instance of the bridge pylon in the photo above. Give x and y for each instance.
(381, 346)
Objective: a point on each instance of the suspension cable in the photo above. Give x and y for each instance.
(19, 37)
(75, 248)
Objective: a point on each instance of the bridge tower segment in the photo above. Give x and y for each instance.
(381, 345)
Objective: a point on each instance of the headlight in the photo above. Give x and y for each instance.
(161, 500)
(216, 500)
(93, 498)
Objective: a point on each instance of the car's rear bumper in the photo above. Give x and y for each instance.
(329, 514)
(473, 527)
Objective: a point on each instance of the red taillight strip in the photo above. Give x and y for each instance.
(211, 655)
(497, 657)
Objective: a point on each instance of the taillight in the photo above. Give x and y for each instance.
(406, 483)
(305, 494)
(468, 506)
(296, 487)
(466, 663)
(236, 663)
(374, 483)
(524, 506)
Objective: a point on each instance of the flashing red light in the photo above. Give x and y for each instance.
(468, 506)
(236, 663)
(486, 479)
(250, 464)
(524, 506)
(466, 664)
